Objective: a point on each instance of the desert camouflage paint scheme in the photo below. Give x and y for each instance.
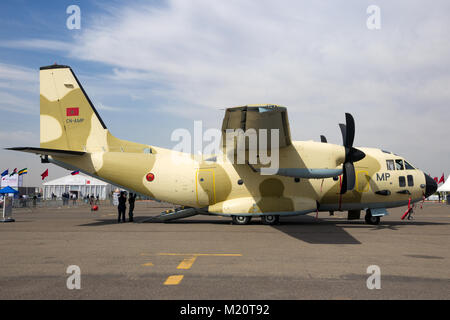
(69, 122)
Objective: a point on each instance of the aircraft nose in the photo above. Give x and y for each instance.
(431, 186)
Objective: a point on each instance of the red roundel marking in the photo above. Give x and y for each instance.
(150, 176)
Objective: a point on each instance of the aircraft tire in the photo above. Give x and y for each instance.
(370, 219)
(270, 219)
(241, 220)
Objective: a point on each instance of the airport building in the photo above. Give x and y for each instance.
(81, 185)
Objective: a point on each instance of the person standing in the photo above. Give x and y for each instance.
(131, 200)
(122, 207)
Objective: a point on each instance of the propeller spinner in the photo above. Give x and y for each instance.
(351, 154)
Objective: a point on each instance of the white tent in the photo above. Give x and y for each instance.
(79, 184)
(446, 186)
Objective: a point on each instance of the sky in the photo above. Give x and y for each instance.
(151, 67)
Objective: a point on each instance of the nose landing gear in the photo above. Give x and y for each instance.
(371, 219)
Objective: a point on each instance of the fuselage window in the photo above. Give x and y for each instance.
(410, 181)
(390, 164)
(399, 164)
(402, 181)
(408, 166)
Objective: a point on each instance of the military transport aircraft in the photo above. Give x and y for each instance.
(311, 176)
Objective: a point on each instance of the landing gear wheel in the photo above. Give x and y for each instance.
(371, 219)
(241, 220)
(270, 220)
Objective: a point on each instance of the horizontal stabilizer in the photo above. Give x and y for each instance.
(48, 152)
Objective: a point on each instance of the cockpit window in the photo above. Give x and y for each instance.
(390, 164)
(399, 164)
(408, 166)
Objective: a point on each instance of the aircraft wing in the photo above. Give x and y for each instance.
(258, 117)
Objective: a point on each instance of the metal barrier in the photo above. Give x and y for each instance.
(58, 203)
(53, 203)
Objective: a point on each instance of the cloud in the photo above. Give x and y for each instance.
(38, 44)
(101, 106)
(18, 89)
(19, 137)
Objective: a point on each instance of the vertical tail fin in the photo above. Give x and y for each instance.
(68, 118)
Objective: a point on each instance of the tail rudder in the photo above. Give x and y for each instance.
(68, 119)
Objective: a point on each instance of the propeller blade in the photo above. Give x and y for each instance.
(348, 176)
(323, 139)
(351, 177)
(344, 180)
(344, 133)
(350, 124)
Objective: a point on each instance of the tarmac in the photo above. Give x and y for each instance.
(206, 257)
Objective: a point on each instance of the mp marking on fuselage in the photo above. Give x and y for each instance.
(383, 176)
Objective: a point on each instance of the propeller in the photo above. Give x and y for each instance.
(351, 154)
(323, 139)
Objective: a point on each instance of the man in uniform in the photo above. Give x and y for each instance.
(122, 206)
(131, 199)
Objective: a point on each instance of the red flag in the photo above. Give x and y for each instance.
(72, 112)
(44, 174)
(442, 179)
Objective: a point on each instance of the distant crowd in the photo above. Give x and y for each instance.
(66, 197)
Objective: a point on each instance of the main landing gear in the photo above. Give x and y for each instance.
(267, 220)
(241, 220)
(270, 220)
(371, 219)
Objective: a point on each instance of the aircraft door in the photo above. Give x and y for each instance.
(205, 187)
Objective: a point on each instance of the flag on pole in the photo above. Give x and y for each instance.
(44, 174)
(13, 173)
(23, 171)
(442, 179)
(4, 173)
(75, 172)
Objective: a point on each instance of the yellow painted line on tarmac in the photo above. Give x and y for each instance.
(187, 263)
(201, 254)
(173, 280)
(148, 264)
